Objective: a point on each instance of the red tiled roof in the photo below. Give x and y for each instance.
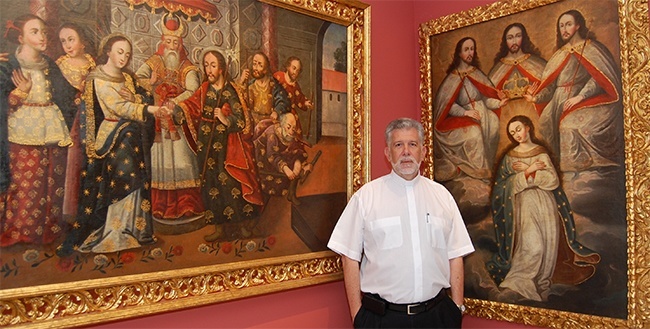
(335, 81)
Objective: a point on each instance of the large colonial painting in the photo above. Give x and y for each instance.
(161, 154)
(535, 116)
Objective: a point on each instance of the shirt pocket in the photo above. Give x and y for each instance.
(387, 232)
(436, 233)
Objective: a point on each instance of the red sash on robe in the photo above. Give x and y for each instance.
(609, 95)
(448, 123)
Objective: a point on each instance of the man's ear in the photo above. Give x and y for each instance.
(424, 151)
(387, 153)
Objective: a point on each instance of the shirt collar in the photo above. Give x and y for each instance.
(403, 182)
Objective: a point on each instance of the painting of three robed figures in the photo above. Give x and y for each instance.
(528, 136)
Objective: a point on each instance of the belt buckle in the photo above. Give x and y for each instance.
(408, 309)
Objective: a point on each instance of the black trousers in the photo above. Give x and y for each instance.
(445, 314)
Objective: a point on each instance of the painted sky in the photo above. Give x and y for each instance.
(334, 35)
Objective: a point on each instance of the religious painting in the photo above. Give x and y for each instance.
(534, 115)
(174, 152)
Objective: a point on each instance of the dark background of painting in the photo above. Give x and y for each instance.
(603, 230)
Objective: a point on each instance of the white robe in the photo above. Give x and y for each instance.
(537, 230)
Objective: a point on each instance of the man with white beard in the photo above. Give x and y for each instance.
(281, 157)
(402, 241)
(171, 77)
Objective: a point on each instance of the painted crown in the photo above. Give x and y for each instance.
(516, 86)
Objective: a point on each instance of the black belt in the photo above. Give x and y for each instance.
(378, 305)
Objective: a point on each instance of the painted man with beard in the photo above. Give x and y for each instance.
(583, 118)
(171, 78)
(289, 81)
(517, 65)
(517, 57)
(402, 240)
(281, 158)
(214, 122)
(465, 122)
(264, 94)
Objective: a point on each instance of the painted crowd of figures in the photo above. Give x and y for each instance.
(574, 100)
(91, 155)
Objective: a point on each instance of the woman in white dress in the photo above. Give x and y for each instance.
(534, 225)
(114, 206)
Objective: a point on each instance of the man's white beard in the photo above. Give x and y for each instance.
(288, 137)
(414, 168)
(171, 59)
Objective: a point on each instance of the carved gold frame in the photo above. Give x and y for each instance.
(635, 68)
(100, 300)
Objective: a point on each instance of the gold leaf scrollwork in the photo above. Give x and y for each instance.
(146, 295)
(635, 67)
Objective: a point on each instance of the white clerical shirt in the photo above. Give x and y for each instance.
(404, 233)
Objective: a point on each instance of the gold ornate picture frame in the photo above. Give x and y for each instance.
(614, 293)
(108, 297)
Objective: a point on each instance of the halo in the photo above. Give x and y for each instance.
(226, 71)
(105, 39)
